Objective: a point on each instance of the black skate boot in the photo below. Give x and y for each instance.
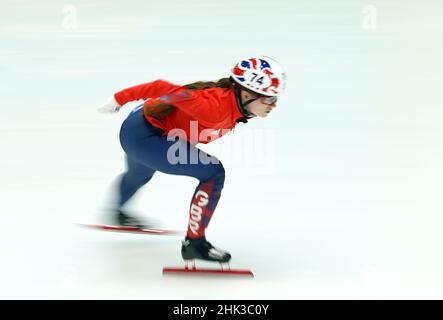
(204, 250)
(126, 220)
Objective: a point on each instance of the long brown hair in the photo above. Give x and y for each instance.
(161, 110)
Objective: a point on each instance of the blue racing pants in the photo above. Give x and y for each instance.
(147, 151)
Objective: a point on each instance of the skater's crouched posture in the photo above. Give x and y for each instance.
(162, 133)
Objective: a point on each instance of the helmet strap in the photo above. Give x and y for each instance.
(242, 105)
(248, 114)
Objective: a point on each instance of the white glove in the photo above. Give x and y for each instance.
(110, 106)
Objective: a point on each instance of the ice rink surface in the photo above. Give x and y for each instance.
(336, 195)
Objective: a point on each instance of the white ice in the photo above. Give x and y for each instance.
(336, 195)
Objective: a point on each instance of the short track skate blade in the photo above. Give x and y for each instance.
(203, 271)
(131, 229)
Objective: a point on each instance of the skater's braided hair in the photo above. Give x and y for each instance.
(161, 110)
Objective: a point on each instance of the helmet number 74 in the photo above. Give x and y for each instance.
(259, 80)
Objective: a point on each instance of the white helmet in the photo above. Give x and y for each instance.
(260, 74)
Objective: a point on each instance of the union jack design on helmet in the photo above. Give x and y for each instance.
(260, 74)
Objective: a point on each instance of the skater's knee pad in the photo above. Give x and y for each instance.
(219, 170)
(216, 175)
(219, 175)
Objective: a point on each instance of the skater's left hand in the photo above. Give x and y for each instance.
(111, 106)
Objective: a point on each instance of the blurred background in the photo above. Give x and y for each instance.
(336, 195)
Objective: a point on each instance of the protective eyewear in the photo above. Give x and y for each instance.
(268, 100)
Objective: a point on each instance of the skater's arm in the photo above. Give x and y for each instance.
(144, 91)
(198, 104)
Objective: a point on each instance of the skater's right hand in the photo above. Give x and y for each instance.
(110, 106)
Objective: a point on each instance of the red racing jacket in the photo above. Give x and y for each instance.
(203, 115)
